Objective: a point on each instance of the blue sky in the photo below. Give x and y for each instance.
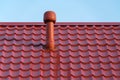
(66, 10)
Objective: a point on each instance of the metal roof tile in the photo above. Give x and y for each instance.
(84, 51)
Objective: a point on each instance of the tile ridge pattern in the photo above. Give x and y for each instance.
(83, 52)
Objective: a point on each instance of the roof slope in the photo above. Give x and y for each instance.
(84, 51)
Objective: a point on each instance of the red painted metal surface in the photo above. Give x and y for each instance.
(49, 16)
(49, 20)
(84, 51)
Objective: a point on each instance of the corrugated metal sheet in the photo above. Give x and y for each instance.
(84, 51)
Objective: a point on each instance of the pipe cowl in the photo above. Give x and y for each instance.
(49, 16)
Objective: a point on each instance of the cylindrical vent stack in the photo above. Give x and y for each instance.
(49, 20)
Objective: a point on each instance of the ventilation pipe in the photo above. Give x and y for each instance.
(49, 20)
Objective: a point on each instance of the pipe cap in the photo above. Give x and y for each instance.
(49, 16)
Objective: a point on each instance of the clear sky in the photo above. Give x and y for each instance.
(66, 10)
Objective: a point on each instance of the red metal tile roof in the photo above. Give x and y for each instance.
(84, 51)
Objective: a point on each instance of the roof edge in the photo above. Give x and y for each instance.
(61, 23)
